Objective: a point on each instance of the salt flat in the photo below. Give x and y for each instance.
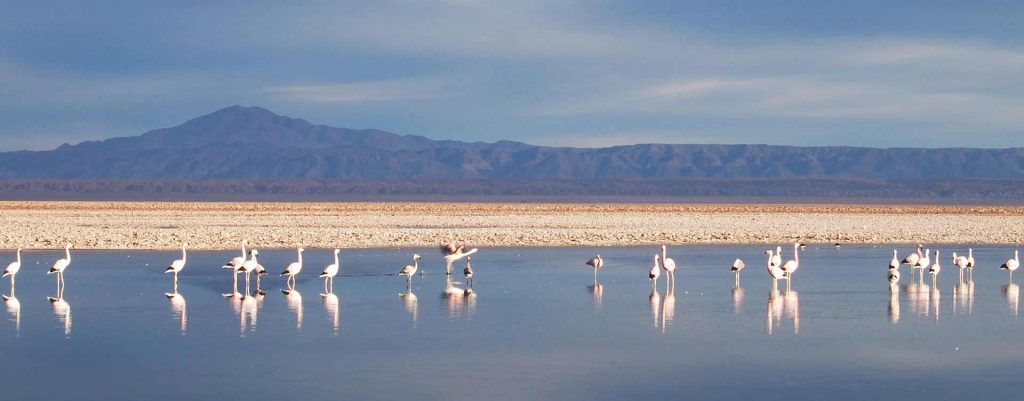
(220, 225)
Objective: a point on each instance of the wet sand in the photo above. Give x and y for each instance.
(220, 225)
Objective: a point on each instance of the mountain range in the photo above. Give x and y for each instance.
(252, 143)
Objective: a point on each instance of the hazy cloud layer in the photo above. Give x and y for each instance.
(547, 72)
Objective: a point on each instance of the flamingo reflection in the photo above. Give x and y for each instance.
(933, 301)
(294, 300)
(250, 308)
(597, 289)
(454, 297)
(14, 309)
(894, 303)
(1012, 293)
(62, 309)
(331, 306)
(411, 304)
(668, 307)
(737, 299)
(178, 308)
(655, 300)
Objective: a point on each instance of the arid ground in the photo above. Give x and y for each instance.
(213, 225)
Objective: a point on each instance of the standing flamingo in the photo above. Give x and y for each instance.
(791, 265)
(249, 267)
(59, 266)
(293, 270)
(669, 265)
(329, 272)
(13, 268)
(1012, 264)
(935, 268)
(177, 265)
(454, 254)
(922, 263)
(961, 263)
(970, 263)
(912, 259)
(235, 264)
(737, 267)
(774, 270)
(596, 262)
(894, 263)
(468, 272)
(653, 273)
(408, 271)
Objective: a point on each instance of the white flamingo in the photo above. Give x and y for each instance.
(912, 259)
(894, 263)
(177, 265)
(774, 270)
(737, 266)
(669, 265)
(923, 262)
(235, 264)
(791, 265)
(59, 266)
(249, 267)
(776, 258)
(293, 269)
(935, 268)
(468, 272)
(654, 272)
(329, 272)
(1012, 264)
(961, 263)
(595, 262)
(970, 262)
(409, 270)
(13, 268)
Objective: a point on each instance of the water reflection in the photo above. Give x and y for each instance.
(62, 309)
(792, 308)
(250, 308)
(894, 303)
(294, 300)
(668, 309)
(456, 299)
(14, 309)
(918, 295)
(934, 302)
(1012, 293)
(773, 310)
(655, 300)
(737, 299)
(597, 290)
(963, 298)
(331, 306)
(178, 308)
(411, 304)
(781, 305)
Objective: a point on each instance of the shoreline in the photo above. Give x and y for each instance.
(279, 225)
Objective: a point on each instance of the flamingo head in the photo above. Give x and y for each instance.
(301, 250)
(185, 245)
(415, 257)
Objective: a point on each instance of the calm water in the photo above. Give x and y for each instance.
(534, 329)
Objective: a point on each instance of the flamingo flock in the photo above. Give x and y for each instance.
(921, 260)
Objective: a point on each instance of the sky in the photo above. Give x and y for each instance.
(564, 73)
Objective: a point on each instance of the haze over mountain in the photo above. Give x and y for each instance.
(254, 143)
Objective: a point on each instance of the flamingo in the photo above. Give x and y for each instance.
(13, 268)
(894, 263)
(774, 270)
(669, 265)
(777, 258)
(961, 263)
(596, 262)
(923, 262)
(293, 269)
(59, 266)
(409, 270)
(911, 260)
(970, 262)
(791, 265)
(259, 272)
(468, 272)
(737, 267)
(249, 267)
(894, 277)
(177, 265)
(329, 272)
(459, 253)
(235, 264)
(654, 273)
(935, 268)
(1012, 264)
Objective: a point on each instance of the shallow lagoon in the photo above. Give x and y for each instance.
(534, 329)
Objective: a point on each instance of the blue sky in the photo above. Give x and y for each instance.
(573, 73)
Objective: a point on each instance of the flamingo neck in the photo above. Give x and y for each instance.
(796, 253)
(300, 256)
(243, 249)
(335, 257)
(19, 255)
(67, 253)
(184, 255)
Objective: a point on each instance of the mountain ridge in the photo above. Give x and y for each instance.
(254, 143)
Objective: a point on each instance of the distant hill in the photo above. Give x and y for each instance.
(251, 143)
